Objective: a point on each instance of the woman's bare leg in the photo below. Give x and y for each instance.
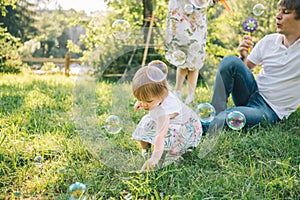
(192, 78)
(180, 77)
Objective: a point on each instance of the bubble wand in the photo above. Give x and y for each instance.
(250, 25)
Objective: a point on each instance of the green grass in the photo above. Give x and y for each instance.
(37, 119)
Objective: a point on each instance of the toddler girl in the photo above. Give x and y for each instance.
(170, 126)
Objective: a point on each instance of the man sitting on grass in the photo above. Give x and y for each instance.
(274, 94)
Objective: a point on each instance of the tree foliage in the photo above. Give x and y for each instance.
(19, 20)
(53, 35)
(223, 36)
(9, 57)
(4, 3)
(99, 47)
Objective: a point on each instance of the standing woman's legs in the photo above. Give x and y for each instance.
(180, 77)
(192, 78)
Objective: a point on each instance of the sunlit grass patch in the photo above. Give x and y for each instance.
(37, 120)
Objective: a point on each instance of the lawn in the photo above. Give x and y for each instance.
(52, 134)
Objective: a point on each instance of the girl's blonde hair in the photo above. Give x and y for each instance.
(144, 87)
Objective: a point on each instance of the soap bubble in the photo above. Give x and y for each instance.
(113, 124)
(168, 56)
(258, 9)
(157, 77)
(236, 120)
(177, 58)
(148, 124)
(38, 161)
(121, 29)
(188, 8)
(206, 112)
(76, 191)
(128, 196)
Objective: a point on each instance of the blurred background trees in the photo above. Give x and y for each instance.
(31, 29)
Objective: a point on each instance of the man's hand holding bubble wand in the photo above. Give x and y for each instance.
(250, 25)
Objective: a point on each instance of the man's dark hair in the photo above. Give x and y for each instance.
(291, 5)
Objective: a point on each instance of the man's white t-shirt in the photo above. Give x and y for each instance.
(279, 79)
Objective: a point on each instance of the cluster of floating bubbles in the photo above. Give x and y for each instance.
(153, 74)
(113, 124)
(121, 118)
(258, 9)
(110, 152)
(206, 112)
(236, 120)
(76, 191)
(121, 29)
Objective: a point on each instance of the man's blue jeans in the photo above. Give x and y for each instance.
(235, 79)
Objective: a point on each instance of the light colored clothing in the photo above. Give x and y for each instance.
(279, 80)
(186, 32)
(184, 130)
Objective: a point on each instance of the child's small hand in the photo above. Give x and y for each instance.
(149, 164)
(137, 106)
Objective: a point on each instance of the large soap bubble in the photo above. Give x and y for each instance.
(76, 191)
(258, 9)
(95, 101)
(157, 77)
(236, 120)
(121, 29)
(176, 57)
(206, 112)
(113, 124)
